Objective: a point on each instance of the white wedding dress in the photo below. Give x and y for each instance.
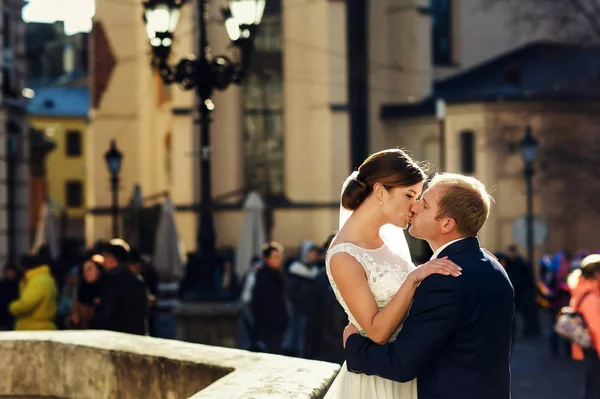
(385, 270)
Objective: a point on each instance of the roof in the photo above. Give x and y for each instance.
(537, 71)
(60, 102)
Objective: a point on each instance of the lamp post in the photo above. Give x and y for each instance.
(113, 158)
(204, 74)
(528, 148)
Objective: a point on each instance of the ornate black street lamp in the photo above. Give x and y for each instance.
(528, 147)
(113, 158)
(203, 73)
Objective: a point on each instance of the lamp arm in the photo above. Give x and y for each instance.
(166, 71)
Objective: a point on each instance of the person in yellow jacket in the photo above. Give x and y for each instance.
(37, 304)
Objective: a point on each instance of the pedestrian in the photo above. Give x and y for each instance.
(585, 285)
(268, 301)
(123, 301)
(520, 273)
(9, 291)
(301, 292)
(36, 307)
(88, 293)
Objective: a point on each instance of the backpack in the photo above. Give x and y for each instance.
(571, 325)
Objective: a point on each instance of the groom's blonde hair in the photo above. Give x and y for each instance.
(464, 199)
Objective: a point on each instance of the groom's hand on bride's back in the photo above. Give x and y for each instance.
(442, 266)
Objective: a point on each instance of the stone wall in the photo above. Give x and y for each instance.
(207, 323)
(107, 365)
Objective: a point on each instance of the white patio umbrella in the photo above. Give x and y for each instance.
(169, 252)
(47, 232)
(136, 204)
(252, 236)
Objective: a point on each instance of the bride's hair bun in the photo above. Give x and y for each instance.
(391, 168)
(355, 193)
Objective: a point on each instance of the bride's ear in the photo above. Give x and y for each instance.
(379, 191)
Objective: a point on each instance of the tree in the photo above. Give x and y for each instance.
(574, 20)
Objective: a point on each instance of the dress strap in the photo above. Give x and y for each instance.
(341, 247)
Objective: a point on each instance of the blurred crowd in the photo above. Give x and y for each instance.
(567, 282)
(111, 287)
(288, 305)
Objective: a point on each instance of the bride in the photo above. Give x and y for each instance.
(369, 265)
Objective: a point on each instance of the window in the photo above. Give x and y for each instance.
(73, 145)
(467, 152)
(74, 194)
(263, 132)
(268, 36)
(441, 35)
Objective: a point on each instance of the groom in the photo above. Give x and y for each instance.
(456, 340)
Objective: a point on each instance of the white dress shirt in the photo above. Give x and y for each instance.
(440, 249)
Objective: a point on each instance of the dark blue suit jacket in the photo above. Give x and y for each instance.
(457, 337)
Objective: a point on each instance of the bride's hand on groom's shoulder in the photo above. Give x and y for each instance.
(435, 266)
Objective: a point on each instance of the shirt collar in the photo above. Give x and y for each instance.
(446, 245)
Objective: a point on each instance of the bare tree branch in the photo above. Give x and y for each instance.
(589, 15)
(573, 20)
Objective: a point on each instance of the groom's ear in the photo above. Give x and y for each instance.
(449, 225)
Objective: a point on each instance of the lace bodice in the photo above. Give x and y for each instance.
(385, 270)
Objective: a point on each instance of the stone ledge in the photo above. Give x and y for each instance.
(102, 364)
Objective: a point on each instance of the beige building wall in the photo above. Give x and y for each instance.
(560, 188)
(129, 112)
(153, 125)
(61, 167)
(485, 29)
(498, 127)
(420, 136)
(316, 137)
(479, 34)
(400, 69)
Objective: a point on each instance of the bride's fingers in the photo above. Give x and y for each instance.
(447, 268)
(449, 264)
(447, 271)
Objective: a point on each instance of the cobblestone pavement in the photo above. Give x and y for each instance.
(537, 374)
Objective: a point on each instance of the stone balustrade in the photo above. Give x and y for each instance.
(107, 365)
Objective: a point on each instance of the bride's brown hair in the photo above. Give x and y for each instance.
(391, 168)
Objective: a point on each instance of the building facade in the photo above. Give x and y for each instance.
(287, 127)
(14, 143)
(57, 78)
(276, 131)
(61, 113)
(55, 58)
